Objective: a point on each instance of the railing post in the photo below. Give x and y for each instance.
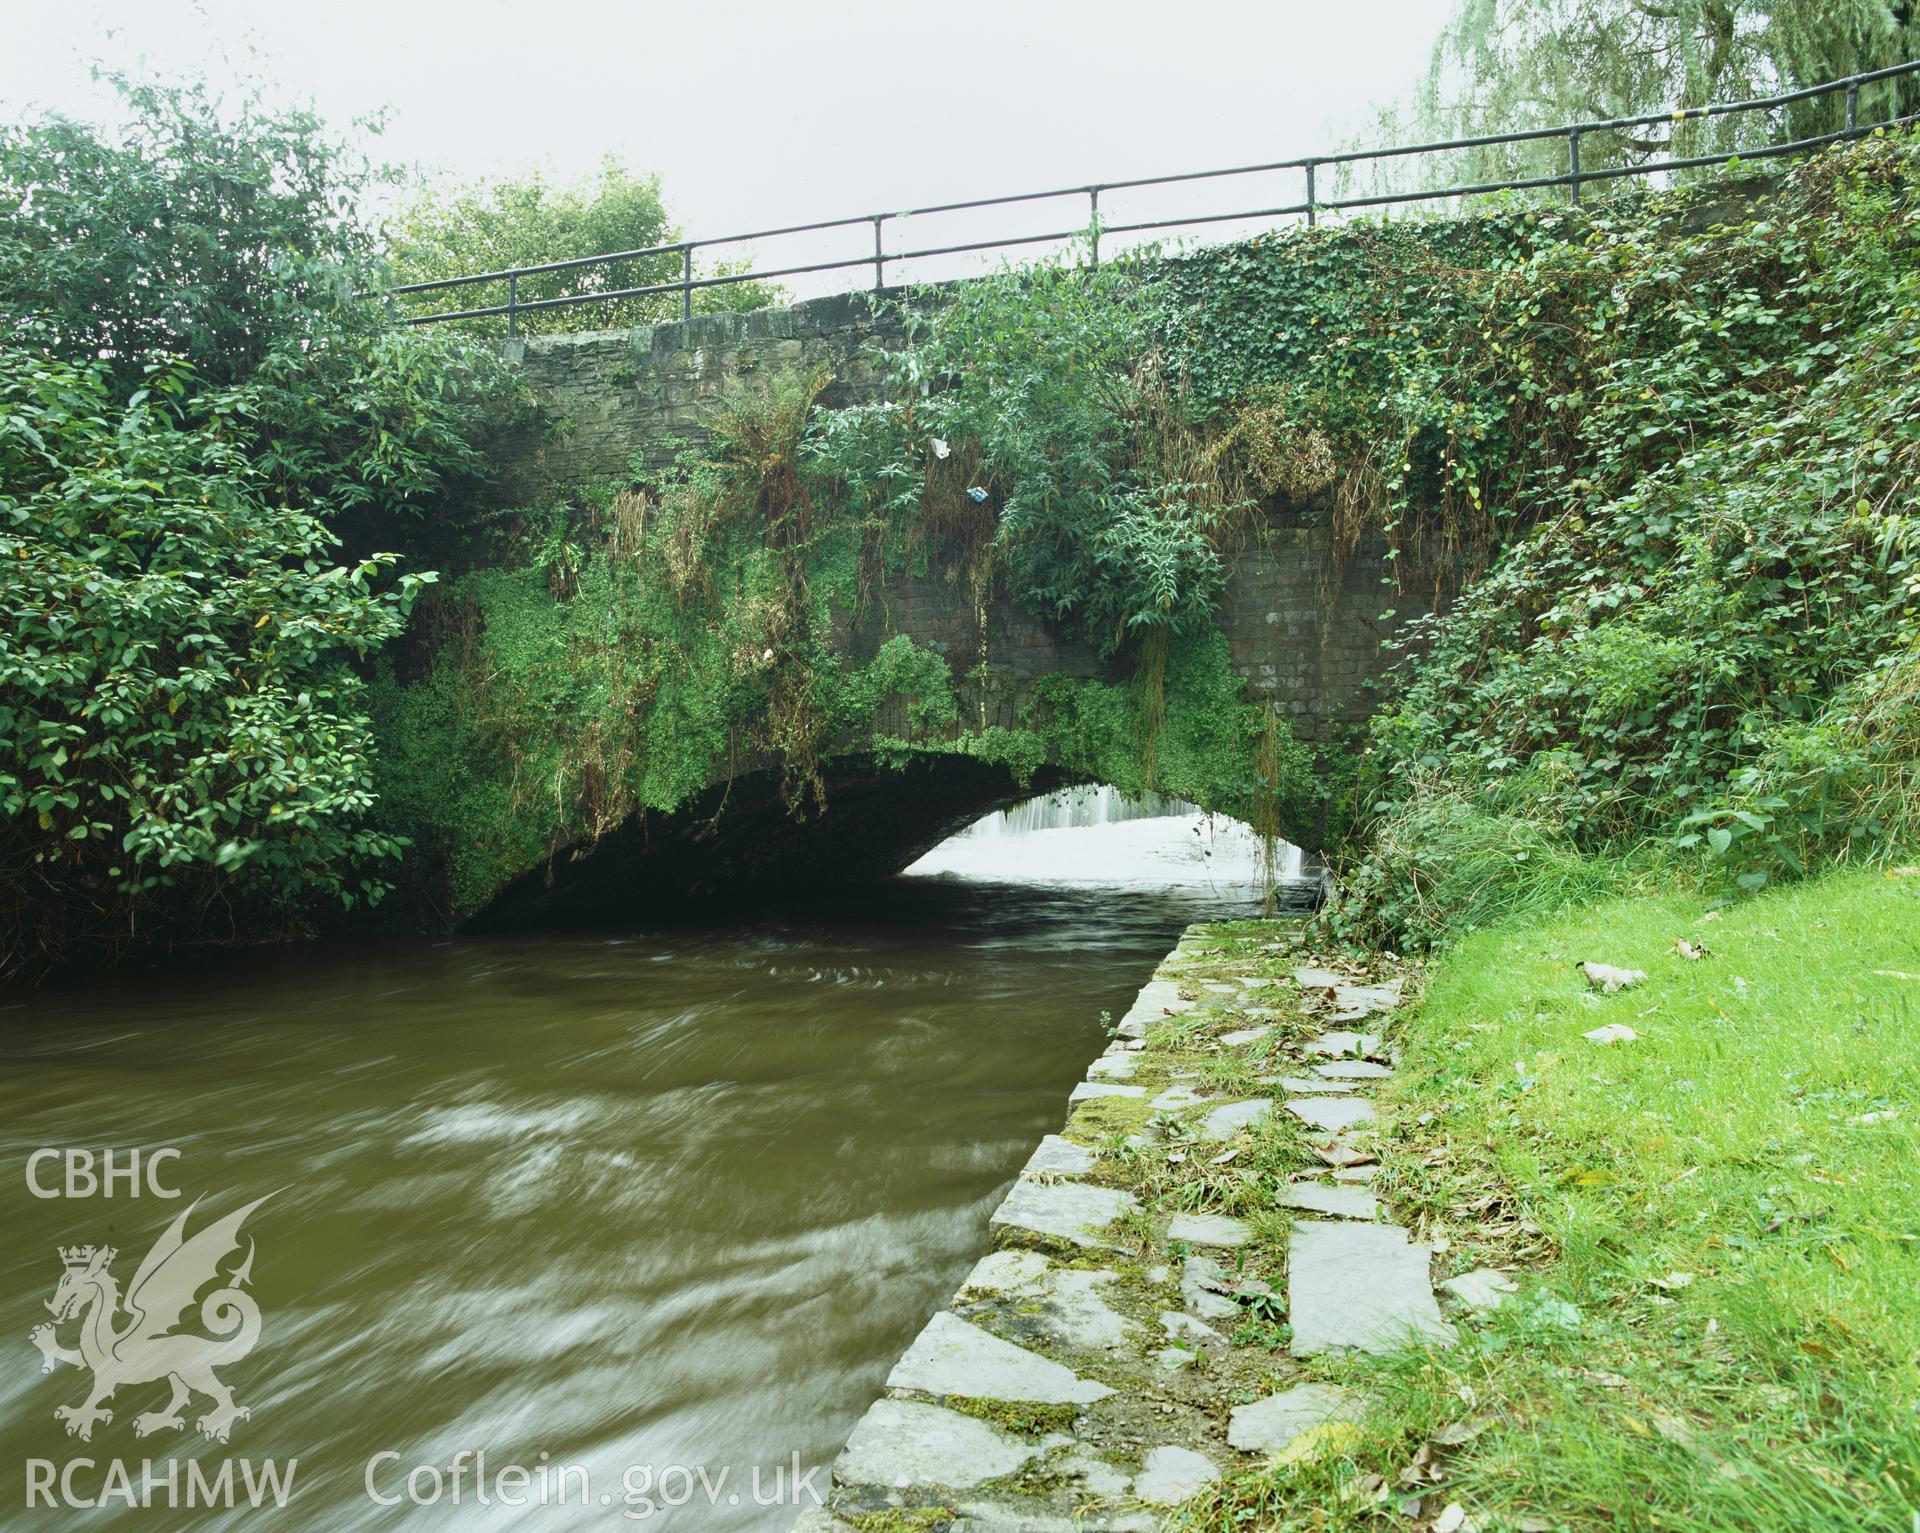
(1093, 196)
(1311, 166)
(513, 298)
(1853, 105)
(1573, 162)
(879, 256)
(686, 283)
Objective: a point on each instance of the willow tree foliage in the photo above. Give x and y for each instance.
(1507, 65)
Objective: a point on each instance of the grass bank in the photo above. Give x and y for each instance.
(1715, 1227)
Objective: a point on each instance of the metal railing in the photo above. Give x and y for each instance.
(1312, 207)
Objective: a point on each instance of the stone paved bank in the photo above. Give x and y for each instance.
(1176, 1275)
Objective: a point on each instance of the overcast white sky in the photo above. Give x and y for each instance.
(759, 113)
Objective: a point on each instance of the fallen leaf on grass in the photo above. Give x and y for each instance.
(1453, 1519)
(1673, 1280)
(1423, 1470)
(1611, 979)
(1328, 1438)
(1339, 1155)
(1691, 951)
(1682, 1435)
(1613, 1032)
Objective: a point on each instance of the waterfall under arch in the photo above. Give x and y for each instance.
(1093, 833)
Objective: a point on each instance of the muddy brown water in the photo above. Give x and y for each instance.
(643, 1207)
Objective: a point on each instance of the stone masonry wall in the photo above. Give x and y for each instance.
(1310, 641)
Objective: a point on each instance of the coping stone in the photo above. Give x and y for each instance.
(1069, 1211)
(1055, 1156)
(1086, 1091)
(952, 1356)
(900, 1443)
(1157, 999)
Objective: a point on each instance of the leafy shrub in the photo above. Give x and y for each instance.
(1446, 860)
(1710, 550)
(1104, 513)
(206, 444)
(180, 727)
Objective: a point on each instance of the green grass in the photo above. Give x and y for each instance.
(1719, 1327)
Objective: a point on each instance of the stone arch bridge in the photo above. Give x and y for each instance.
(1312, 643)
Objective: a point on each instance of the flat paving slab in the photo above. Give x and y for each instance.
(1170, 1475)
(1224, 1122)
(1356, 1001)
(1483, 1288)
(1363, 1286)
(1208, 1230)
(1339, 1200)
(1353, 1070)
(1075, 1312)
(900, 1443)
(1174, 1098)
(1270, 1425)
(1201, 1285)
(956, 1357)
(1339, 1043)
(1331, 1114)
(1181, 1327)
(1070, 1211)
(1307, 1085)
(1241, 1035)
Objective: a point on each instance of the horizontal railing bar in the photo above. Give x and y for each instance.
(627, 255)
(1018, 239)
(1206, 218)
(1608, 173)
(615, 295)
(1575, 178)
(1525, 135)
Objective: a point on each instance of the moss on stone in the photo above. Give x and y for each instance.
(1026, 1417)
(902, 1519)
(1101, 1118)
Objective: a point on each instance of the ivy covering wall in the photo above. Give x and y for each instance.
(1661, 441)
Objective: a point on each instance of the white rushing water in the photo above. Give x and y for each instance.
(1094, 835)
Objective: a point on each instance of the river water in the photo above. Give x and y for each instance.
(672, 1198)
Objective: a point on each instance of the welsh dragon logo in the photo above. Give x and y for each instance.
(148, 1346)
